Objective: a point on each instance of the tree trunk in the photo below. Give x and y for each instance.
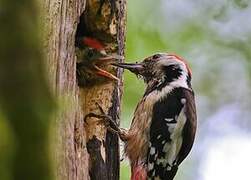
(81, 150)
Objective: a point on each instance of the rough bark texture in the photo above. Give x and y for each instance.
(81, 147)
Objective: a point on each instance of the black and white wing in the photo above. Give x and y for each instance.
(171, 133)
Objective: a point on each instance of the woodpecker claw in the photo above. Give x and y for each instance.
(107, 120)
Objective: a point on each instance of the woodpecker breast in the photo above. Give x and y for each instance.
(158, 131)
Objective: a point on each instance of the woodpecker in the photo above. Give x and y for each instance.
(163, 128)
(91, 59)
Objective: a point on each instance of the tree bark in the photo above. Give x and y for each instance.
(81, 150)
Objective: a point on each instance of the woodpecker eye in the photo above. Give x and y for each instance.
(156, 56)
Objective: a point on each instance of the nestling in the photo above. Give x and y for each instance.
(91, 59)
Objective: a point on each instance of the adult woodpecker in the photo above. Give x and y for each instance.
(91, 62)
(164, 124)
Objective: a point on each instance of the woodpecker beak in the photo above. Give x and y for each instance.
(135, 68)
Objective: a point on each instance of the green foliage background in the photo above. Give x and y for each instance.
(213, 36)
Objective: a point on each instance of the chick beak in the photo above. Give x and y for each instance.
(110, 57)
(104, 60)
(135, 68)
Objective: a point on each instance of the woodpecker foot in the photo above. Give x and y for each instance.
(108, 122)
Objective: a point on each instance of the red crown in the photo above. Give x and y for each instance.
(181, 59)
(91, 42)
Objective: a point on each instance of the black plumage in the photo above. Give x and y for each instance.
(166, 113)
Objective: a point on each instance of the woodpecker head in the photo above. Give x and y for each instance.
(161, 68)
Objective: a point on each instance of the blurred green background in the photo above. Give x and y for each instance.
(215, 38)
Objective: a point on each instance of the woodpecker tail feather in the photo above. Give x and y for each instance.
(139, 173)
(169, 175)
